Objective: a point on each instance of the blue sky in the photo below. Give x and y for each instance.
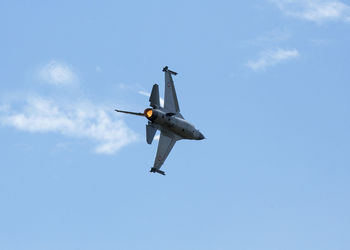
(267, 82)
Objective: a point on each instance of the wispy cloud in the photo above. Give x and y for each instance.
(161, 100)
(272, 37)
(58, 73)
(81, 120)
(271, 57)
(315, 10)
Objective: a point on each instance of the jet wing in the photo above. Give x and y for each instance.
(171, 104)
(166, 143)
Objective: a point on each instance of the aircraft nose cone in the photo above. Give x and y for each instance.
(201, 136)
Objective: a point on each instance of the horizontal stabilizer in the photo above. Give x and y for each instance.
(154, 98)
(150, 132)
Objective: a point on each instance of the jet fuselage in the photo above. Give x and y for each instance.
(173, 123)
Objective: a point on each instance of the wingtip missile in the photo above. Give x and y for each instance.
(166, 69)
(156, 170)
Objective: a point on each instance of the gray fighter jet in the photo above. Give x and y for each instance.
(167, 119)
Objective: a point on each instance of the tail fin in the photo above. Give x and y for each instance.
(154, 98)
(150, 132)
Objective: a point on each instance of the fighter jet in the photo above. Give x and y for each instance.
(168, 119)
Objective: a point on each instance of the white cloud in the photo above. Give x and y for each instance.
(272, 37)
(272, 57)
(57, 73)
(315, 10)
(161, 100)
(80, 120)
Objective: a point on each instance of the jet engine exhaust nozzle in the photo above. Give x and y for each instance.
(150, 114)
